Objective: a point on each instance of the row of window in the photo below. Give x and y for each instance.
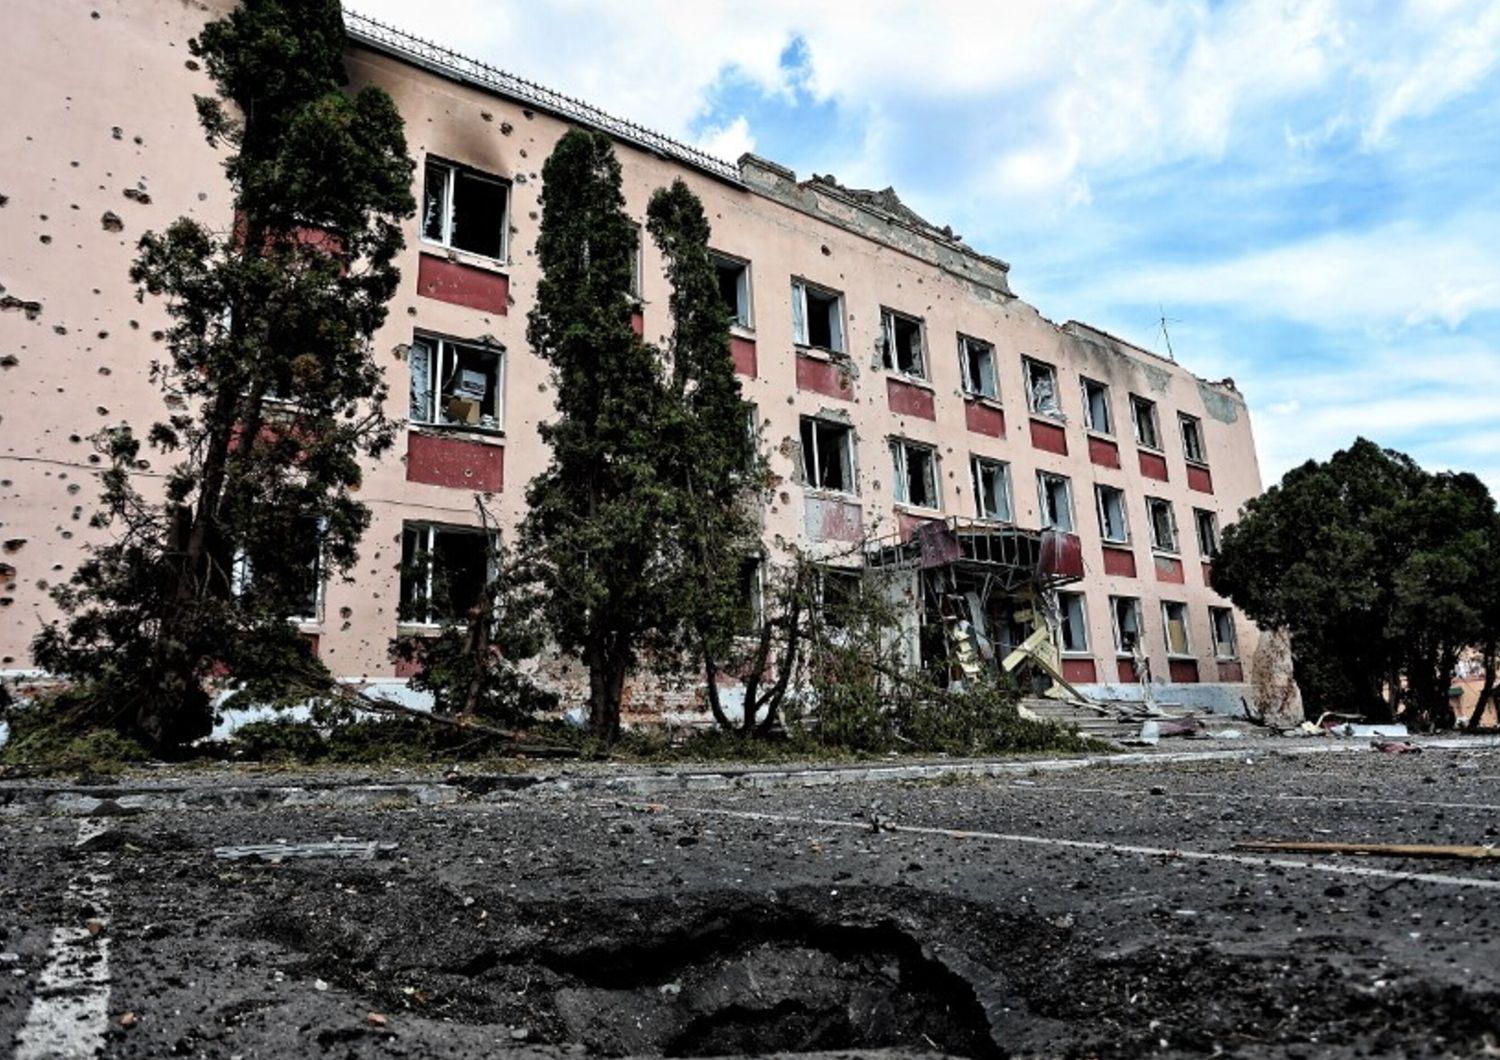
(1125, 619)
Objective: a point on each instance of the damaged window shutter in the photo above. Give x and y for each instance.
(799, 314)
(419, 358)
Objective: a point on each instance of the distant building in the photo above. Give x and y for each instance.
(903, 392)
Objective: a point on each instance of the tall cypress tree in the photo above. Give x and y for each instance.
(271, 370)
(600, 514)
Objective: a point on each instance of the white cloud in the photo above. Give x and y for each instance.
(728, 141)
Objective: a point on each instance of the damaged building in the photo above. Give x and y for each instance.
(1043, 489)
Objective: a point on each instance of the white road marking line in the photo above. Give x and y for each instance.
(1332, 868)
(1478, 807)
(70, 1012)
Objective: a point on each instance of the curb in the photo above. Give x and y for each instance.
(100, 801)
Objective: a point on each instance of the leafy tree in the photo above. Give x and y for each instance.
(1376, 568)
(601, 513)
(275, 395)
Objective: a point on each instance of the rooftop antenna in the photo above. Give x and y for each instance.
(1166, 337)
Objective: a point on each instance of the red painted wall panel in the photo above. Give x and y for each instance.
(454, 462)
(908, 400)
(1153, 465)
(743, 352)
(1061, 555)
(1169, 570)
(1231, 671)
(465, 285)
(1200, 479)
(638, 323)
(1049, 437)
(1183, 671)
(984, 419)
(908, 524)
(1104, 452)
(1208, 573)
(1079, 671)
(1119, 561)
(814, 373)
(830, 519)
(1125, 671)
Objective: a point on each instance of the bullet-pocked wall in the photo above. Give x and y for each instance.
(926, 388)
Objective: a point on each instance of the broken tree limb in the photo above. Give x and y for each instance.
(1389, 850)
(365, 701)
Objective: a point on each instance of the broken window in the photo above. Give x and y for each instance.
(838, 595)
(1221, 621)
(1192, 438)
(1144, 414)
(991, 488)
(1163, 522)
(916, 474)
(1111, 504)
(750, 602)
(827, 455)
(443, 571)
(455, 383)
(1041, 388)
(1174, 618)
(464, 209)
(978, 363)
(637, 265)
(901, 341)
(1208, 532)
(734, 287)
(1072, 623)
(1126, 615)
(303, 571)
(1096, 415)
(1056, 494)
(817, 317)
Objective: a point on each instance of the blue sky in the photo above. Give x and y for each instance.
(1308, 190)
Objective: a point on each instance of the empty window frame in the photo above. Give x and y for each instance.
(838, 594)
(1174, 617)
(1096, 415)
(302, 551)
(1041, 387)
(1072, 623)
(1192, 438)
(1221, 622)
(734, 287)
(1163, 521)
(637, 265)
(827, 455)
(817, 317)
(443, 571)
(1143, 412)
(1208, 532)
(1056, 495)
(465, 210)
(901, 344)
(991, 488)
(978, 364)
(749, 605)
(1112, 523)
(916, 474)
(1125, 615)
(455, 383)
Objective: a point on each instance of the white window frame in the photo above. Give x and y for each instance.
(1100, 489)
(800, 288)
(1138, 405)
(1166, 629)
(1193, 423)
(429, 549)
(440, 351)
(1207, 549)
(980, 469)
(1036, 408)
(452, 170)
(744, 318)
(1118, 630)
(968, 346)
(1081, 626)
(846, 457)
(899, 450)
(1174, 546)
(1042, 478)
(888, 319)
(1089, 421)
(1221, 650)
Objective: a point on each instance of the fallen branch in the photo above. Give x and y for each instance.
(1389, 850)
(366, 701)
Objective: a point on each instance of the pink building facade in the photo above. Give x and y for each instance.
(896, 378)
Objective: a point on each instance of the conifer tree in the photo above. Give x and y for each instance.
(275, 392)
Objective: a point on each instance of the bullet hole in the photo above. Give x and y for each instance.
(94, 15)
(137, 195)
(75, 438)
(10, 360)
(203, 196)
(486, 115)
(117, 132)
(14, 544)
(104, 334)
(346, 612)
(31, 309)
(104, 369)
(6, 601)
(7, 572)
(174, 401)
(43, 584)
(527, 115)
(67, 535)
(41, 217)
(59, 329)
(138, 141)
(411, 310)
(101, 410)
(532, 215)
(135, 325)
(143, 465)
(74, 487)
(157, 336)
(111, 222)
(523, 152)
(826, 252)
(46, 240)
(506, 128)
(94, 458)
(191, 64)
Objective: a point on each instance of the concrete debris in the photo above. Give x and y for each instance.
(1369, 732)
(345, 849)
(1396, 747)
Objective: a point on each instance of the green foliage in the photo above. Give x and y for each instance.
(1380, 571)
(276, 393)
(56, 735)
